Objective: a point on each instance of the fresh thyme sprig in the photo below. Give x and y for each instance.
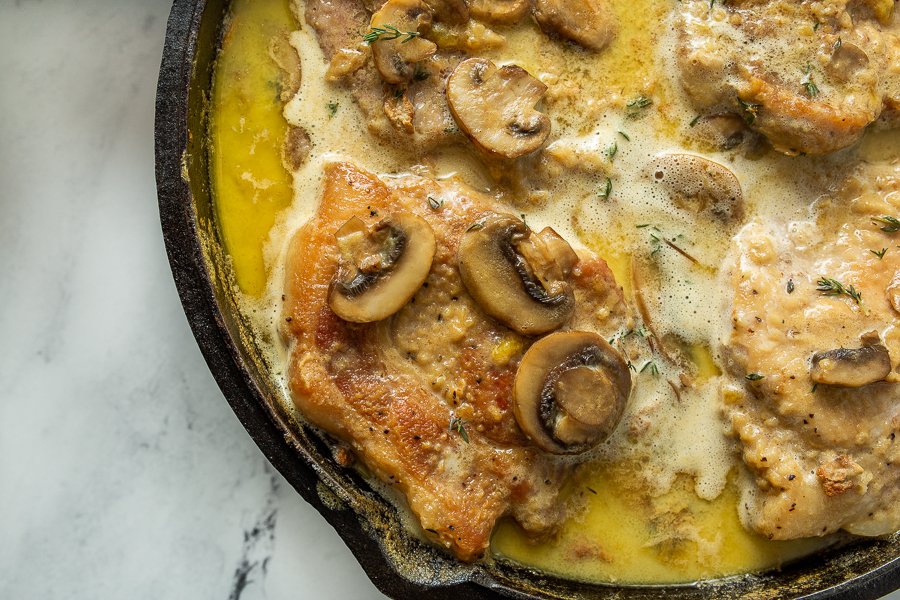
(891, 225)
(879, 254)
(833, 287)
(460, 426)
(388, 32)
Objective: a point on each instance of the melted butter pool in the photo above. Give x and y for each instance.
(251, 184)
(619, 534)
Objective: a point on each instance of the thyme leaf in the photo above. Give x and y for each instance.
(636, 107)
(473, 226)
(755, 377)
(434, 204)
(420, 74)
(606, 190)
(460, 426)
(879, 254)
(749, 111)
(611, 151)
(332, 109)
(891, 225)
(811, 89)
(654, 370)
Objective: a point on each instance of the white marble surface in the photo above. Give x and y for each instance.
(123, 472)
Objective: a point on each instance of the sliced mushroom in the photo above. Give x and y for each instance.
(722, 131)
(495, 107)
(516, 275)
(700, 185)
(285, 56)
(852, 367)
(570, 391)
(295, 148)
(398, 49)
(499, 12)
(589, 23)
(381, 268)
(847, 61)
(452, 12)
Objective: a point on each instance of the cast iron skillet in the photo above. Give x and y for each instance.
(399, 564)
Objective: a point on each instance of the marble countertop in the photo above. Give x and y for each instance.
(123, 471)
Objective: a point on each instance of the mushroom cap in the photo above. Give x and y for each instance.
(852, 367)
(396, 58)
(452, 12)
(700, 185)
(847, 62)
(570, 392)
(499, 12)
(589, 23)
(495, 107)
(516, 275)
(381, 268)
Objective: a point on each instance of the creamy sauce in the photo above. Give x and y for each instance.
(658, 502)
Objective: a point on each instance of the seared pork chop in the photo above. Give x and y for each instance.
(423, 397)
(809, 75)
(815, 329)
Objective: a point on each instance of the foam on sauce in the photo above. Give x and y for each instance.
(657, 502)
